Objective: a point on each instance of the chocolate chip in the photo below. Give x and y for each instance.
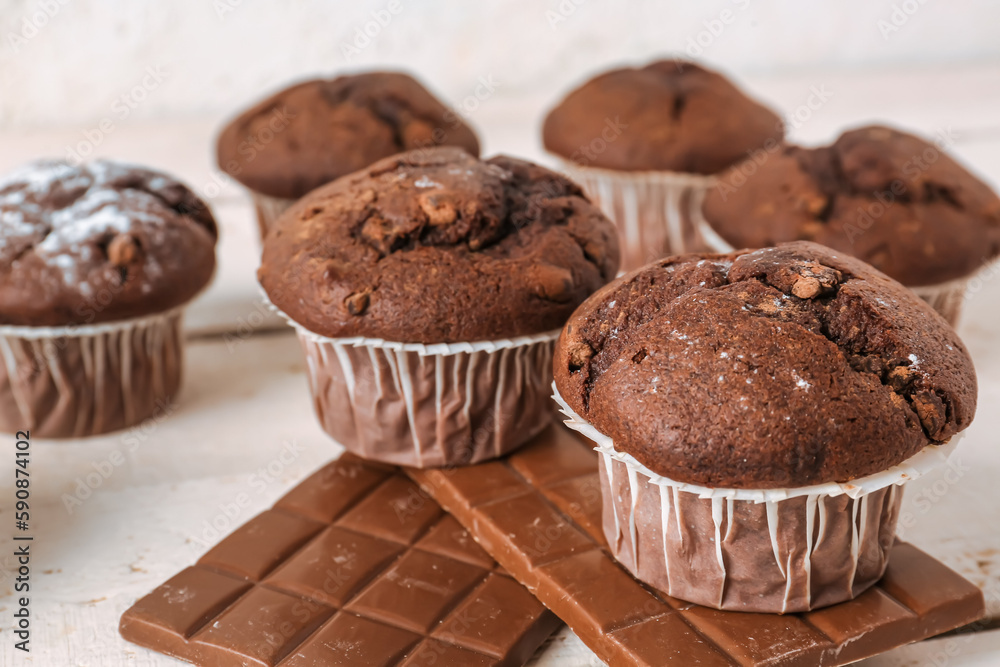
(357, 303)
(812, 279)
(932, 412)
(901, 378)
(812, 204)
(417, 134)
(806, 287)
(552, 282)
(439, 210)
(123, 250)
(595, 253)
(579, 354)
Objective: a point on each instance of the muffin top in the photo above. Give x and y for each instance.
(99, 242)
(317, 131)
(669, 115)
(885, 196)
(781, 367)
(436, 246)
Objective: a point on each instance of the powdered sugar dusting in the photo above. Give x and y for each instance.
(799, 382)
(42, 176)
(425, 182)
(59, 211)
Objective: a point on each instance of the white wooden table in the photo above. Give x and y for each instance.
(243, 423)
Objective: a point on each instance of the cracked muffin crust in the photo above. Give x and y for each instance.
(314, 132)
(785, 366)
(99, 242)
(885, 196)
(437, 246)
(670, 115)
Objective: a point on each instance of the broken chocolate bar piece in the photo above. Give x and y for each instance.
(354, 566)
(538, 512)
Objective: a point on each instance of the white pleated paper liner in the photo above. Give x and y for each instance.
(711, 237)
(619, 176)
(752, 550)
(946, 298)
(76, 330)
(918, 465)
(268, 210)
(652, 209)
(429, 405)
(83, 380)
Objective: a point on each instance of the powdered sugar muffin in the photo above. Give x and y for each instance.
(97, 261)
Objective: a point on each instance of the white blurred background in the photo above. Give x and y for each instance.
(70, 61)
(152, 82)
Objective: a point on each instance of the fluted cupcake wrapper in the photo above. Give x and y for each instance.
(268, 210)
(762, 550)
(946, 298)
(76, 381)
(445, 404)
(652, 209)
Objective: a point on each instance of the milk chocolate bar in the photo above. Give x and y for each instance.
(354, 566)
(539, 513)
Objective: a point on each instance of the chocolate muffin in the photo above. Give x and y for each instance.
(437, 246)
(646, 143)
(670, 115)
(795, 369)
(98, 261)
(868, 373)
(436, 282)
(890, 198)
(317, 131)
(77, 236)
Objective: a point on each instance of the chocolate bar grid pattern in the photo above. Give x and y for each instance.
(269, 593)
(538, 512)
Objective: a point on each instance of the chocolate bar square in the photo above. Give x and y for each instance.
(546, 531)
(355, 566)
